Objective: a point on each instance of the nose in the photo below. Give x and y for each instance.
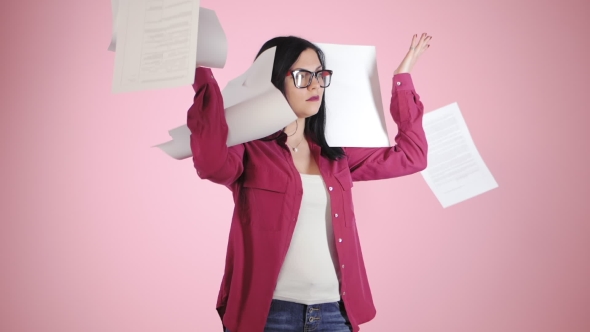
(315, 83)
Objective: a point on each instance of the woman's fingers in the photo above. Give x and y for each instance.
(423, 43)
(423, 40)
(417, 47)
(413, 43)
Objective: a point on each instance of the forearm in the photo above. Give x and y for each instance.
(407, 111)
(212, 159)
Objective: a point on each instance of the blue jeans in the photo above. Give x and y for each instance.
(294, 317)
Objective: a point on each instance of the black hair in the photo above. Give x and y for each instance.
(288, 50)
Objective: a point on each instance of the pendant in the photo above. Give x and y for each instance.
(295, 149)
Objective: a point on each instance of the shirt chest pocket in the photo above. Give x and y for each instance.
(264, 200)
(343, 177)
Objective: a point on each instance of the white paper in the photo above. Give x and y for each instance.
(354, 108)
(211, 40)
(354, 111)
(254, 108)
(456, 171)
(180, 146)
(156, 42)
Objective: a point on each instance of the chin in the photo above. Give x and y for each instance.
(309, 112)
(306, 115)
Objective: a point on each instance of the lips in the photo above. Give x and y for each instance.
(314, 98)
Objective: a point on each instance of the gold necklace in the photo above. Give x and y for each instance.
(295, 148)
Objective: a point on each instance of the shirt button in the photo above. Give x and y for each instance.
(340, 240)
(399, 83)
(330, 188)
(336, 215)
(342, 265)
(343, 293)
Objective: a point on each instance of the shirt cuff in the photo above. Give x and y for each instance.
(403, 81)
(203, 76)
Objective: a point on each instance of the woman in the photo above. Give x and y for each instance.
(294, 259)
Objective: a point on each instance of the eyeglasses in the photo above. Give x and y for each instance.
(302, 78)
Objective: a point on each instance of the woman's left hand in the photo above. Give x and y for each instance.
(416, 49)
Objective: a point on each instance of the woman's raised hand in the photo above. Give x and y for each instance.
(416, 49)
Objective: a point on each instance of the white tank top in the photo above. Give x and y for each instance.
(309, 273)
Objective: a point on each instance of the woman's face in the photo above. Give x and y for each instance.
(305, 102)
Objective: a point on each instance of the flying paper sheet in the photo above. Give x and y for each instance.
(160, 43)
(254, 108)
(211, 39)
(156, 44)
(456, 171)
(354, 108)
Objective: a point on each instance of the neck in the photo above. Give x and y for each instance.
(295, 130)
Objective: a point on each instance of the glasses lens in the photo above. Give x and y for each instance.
(324, 77)
(301, 79)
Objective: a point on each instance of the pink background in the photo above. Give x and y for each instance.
(100, 232)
